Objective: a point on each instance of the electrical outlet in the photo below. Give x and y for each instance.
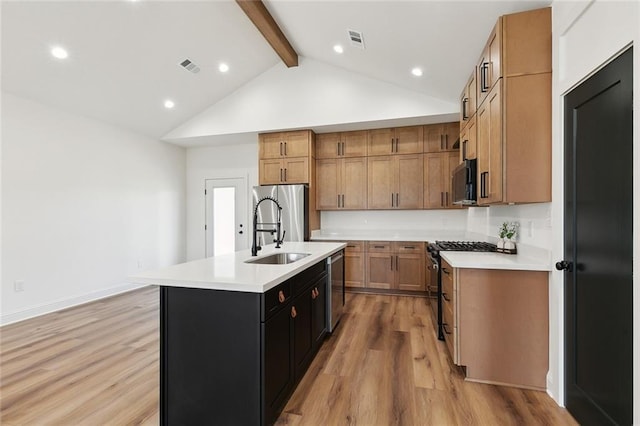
(18, 285)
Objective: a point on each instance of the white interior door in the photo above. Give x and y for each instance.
(226, 214)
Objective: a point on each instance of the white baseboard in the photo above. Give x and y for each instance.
(57, 305)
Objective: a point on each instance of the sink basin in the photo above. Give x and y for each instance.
(278, 258)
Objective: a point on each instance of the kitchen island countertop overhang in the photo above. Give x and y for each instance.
(231, 272)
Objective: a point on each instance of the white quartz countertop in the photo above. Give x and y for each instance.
(230, 272)
(475, 260)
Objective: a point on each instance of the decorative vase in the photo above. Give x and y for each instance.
(509, 244)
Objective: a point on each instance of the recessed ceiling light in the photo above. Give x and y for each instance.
(338, 49)
(168, 104)
(223, 67)
(59, 52)
(417, 72)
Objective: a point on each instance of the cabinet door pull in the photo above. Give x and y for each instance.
(484, 77)
(445, 297)
(409, 247)
(442, 199)
(280, 148)
(392, 202)
(483, 185)
(313, 293)
(446, 141)
(391, 258)
(338, 149)
(397, 199)
(446, 271)
(444, 328)
(378, 247)
(342, 148)
(441, 148)
(293, 312)
(285, 170)
(464, 149)
(446, 199)
(281, 296)
(285, 148)
(465, 115)
(351, 246)
(280, 175)
(342, 200)
(396, 263)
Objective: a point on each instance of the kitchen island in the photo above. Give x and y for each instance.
(236, 337)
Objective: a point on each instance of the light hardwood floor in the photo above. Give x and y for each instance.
(98, 364)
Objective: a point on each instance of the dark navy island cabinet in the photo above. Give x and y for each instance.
(234, 358)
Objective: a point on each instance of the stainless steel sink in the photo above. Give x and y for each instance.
(278, 258)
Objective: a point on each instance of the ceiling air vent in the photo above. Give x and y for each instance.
(190, 66)
(356, 38)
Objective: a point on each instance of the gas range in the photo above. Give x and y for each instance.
(478, 246)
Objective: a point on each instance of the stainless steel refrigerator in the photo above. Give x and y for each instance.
(294, 200)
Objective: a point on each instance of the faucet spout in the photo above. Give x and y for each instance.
(254, 246)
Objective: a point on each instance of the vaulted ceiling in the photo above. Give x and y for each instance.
(124, 56)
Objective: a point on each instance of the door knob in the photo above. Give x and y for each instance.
(564, 265)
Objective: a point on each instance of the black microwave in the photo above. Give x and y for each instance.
(463, 185)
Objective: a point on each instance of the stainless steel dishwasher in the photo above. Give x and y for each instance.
(335, 289)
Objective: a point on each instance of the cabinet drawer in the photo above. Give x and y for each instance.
(275, 299)
(308, 276)
(409, 247)
(354, 247)
(379, 247)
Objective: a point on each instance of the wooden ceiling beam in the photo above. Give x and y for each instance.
(264, 22)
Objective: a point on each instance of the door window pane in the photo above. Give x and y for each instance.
(224, 224)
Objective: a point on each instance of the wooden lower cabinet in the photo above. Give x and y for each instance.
(497, 324)
(397, 266)
(354, 261)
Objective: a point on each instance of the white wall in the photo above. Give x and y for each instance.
(394, 220)
(310, 95)
(230, 161)
(84, 204)
(586, 35)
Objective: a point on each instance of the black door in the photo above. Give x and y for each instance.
(599, 246)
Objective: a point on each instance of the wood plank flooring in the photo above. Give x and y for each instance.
(97, 364)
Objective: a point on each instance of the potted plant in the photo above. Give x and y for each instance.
(507, 232)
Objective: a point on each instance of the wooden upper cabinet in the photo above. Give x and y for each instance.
(285, 157)
(468, 100)
(345, 144)
(441, 137)
(437, 179)
(468, 141)
(381, 190)
(400, 140)
(513, 118)
(342, 183)
(285, 144)
(286, 171)
(409, 181)
(490, 165)
(519, 44)
(394, 182)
